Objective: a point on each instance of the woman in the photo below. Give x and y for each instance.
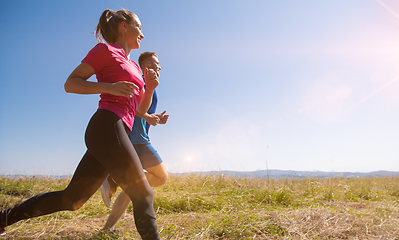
(109, 150)
(156, 172)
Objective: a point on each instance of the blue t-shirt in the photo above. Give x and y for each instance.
(139, 134)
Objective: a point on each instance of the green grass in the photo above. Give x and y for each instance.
(220, 207)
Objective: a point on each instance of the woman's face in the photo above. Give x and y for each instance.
(134, 34)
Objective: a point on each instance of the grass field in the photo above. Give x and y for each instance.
(219, 207)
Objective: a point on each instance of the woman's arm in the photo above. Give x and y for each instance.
(151, 82)
(77, 83)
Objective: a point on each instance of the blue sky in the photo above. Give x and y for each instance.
(249, 85)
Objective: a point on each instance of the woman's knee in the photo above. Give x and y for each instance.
(75, 205)
(72, 203)
(140, 193)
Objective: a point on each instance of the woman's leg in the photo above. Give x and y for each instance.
(109, 150)
(156, 175)
(86, 180)
(113, 149)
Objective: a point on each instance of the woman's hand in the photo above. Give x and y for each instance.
(151, 79)
(151, 82)
(124, 89)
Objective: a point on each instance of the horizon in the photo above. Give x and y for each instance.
(365, 174)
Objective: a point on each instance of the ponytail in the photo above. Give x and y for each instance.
(107, 27)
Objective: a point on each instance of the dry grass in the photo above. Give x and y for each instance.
(218, 207)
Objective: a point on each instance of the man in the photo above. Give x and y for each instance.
(156, 173)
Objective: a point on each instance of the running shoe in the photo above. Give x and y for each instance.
(2, 231)
(105, 190)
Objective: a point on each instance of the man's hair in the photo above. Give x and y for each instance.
(145, 56)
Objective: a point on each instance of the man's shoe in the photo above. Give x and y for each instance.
(2, 231)
(105, 190)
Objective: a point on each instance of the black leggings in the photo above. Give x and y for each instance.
(109, 151)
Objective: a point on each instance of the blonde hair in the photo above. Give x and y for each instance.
(107, 27)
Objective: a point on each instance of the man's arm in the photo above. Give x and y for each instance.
(152, 119)
(163, 118)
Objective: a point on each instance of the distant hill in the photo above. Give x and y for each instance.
(274, 173)
(35, 176)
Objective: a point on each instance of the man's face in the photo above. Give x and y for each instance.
(154, 64)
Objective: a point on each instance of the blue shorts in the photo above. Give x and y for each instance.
(149, 157)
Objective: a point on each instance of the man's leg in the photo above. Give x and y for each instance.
(150, 160)
(156, 176)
